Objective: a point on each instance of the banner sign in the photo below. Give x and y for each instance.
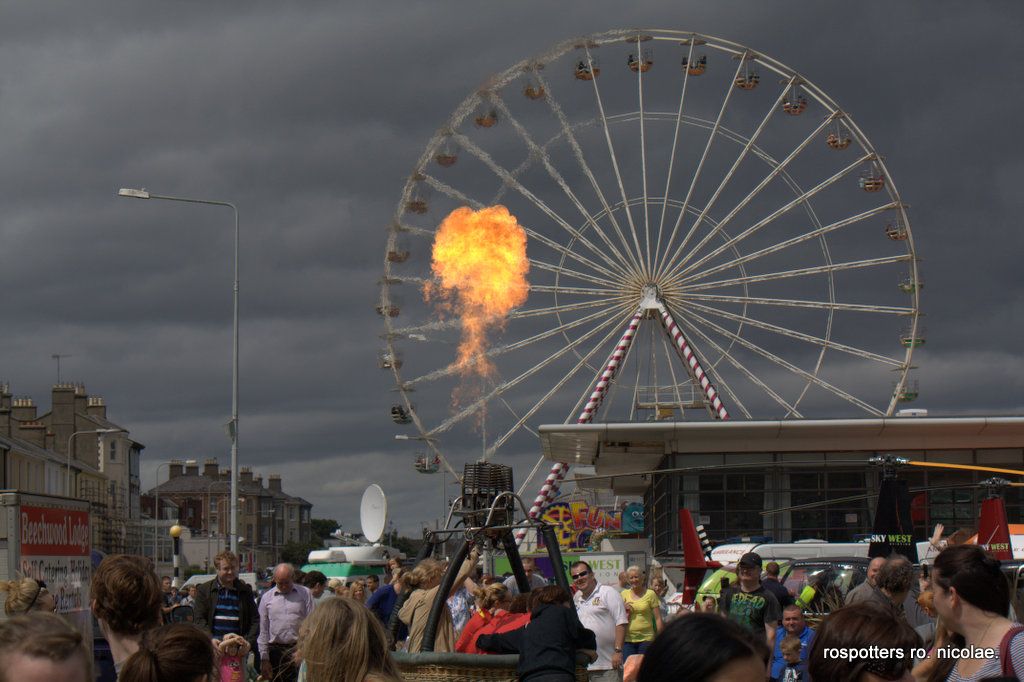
(55, 548)
(576, 522)
(54, 532)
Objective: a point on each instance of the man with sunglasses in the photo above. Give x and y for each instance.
(601, 609)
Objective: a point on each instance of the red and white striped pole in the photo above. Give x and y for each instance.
(553, 482)
(691, 361)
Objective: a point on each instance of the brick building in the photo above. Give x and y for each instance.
(199, 498)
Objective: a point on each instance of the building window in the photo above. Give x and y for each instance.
(291, 513)
(305, 515)
(113, 451)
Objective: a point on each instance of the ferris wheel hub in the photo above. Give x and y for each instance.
(649, 298)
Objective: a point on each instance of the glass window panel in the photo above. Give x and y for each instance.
(712, 481)
(712, 502)
(846, 480)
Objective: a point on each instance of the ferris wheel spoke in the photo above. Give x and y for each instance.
(700, 165)
(541, 153)
(643, 154)
(456, 367)
(671, 358)
(450, 191)
(615, 166)
(578, 153)
(800, 336)
(798, 303)
(683, 268)
(772, 357)
(476, 405)
(672, 153)
(681, 278)
(729, 175)
(435, 326)
(411, 229)
(547, 396)
(510, 180)
(753, 378)
(799, 272)
(558, 270)
(551, 310)
(777, 169)
(581, 291)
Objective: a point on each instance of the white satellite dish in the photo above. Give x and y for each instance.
(373, 513)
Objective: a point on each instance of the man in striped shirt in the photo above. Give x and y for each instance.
(226, 604)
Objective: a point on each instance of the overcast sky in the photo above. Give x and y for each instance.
(310, 117)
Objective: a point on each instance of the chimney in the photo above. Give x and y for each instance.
(175, 469)
(225, 474)
(96, 408)
(244, 475)
(63, 405)
(210, 469)
(191, 468)
(5, 409)
(23, 410)
(81, 399)
(274, 482)
(34, 432)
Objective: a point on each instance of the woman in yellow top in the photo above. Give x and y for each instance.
(644, 609)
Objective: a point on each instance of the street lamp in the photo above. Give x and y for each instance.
(175, 533)
(98, 432)
(233, 424)
(156, 503)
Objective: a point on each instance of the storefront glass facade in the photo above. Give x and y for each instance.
(731, 490)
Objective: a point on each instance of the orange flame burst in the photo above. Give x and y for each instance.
(479, 260)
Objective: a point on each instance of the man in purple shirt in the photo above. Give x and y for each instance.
(282, 610)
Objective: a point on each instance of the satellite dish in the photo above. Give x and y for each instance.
(373, 512)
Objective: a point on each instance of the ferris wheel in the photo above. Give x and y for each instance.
(709, 236)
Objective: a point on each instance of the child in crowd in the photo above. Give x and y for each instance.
(793, 672)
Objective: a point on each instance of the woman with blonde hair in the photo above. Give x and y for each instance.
(491, 600)
(342, 641)
(643, 606)
(357, 591)
(424, 581)
(26, 595)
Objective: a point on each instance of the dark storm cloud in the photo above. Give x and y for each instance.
(311, 117)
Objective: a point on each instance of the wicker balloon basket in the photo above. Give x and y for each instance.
(446, 667)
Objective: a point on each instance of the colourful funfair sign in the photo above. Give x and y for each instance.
(576, 522)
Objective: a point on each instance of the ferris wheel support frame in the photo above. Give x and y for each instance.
(649, 302)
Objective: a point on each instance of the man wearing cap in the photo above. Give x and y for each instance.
(749, 604)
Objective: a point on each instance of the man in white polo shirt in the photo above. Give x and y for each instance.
(602, 610)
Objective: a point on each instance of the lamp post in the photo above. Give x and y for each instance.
(156, 506)
(71, 438)
(233, 424)
(175, 532)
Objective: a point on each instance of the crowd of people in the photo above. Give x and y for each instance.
(304, 629)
